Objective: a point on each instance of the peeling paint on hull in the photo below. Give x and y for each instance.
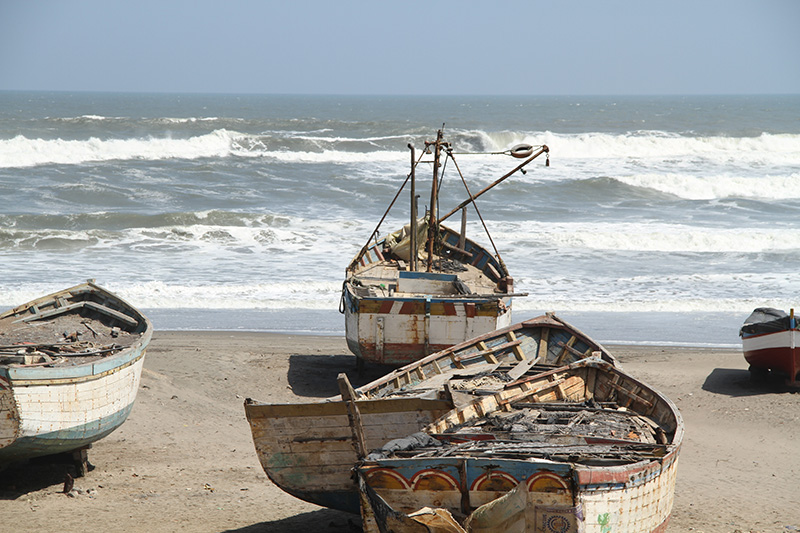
(404, 327)
(75, 392)
(594, 473)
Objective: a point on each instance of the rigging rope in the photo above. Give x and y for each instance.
(374, 233)
(475, 205)
(504, 152)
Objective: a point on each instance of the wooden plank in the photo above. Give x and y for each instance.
(566, 347)
(353, 415)
(520, 368)
(591, 380)
(315, 410)
(630, 394)
(122, 317)
(543, 344)
(456, 249)
(487, 353)
(493, 273)
(518, 353)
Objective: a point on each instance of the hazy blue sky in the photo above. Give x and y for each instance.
(402, 47)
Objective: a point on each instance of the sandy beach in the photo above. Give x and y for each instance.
(185, 461)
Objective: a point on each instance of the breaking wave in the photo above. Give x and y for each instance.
(21, 151)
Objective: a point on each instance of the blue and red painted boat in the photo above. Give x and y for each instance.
(426, 287)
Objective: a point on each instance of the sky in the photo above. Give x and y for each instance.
(385, 47)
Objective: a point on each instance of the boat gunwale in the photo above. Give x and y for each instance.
(546, 320)
(95, 368)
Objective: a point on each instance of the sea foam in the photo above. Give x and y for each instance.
(22, 151)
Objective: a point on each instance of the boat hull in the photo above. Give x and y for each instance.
(307, 449)
(47, 409)
(777, 351)
(528, 483)
(54, 415)
(555, 497)
(395, 316)
(397, 331)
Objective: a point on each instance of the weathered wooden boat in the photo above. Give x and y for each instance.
(70, 364)
(426, 287)
(581, 448)
(309, 450)
(770, 343)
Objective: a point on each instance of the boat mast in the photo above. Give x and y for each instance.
(433, 221)
(413, 255)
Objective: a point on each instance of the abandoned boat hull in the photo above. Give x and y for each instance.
(44, 416)
(416, 314)
(569, 500)
(308, 450)
(47, 408)
(425, 287)
(545, 341)
(567, 481)
(397, 331)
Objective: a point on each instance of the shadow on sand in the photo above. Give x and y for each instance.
(315, 375)
(21, 478)
(739, 383)
(322, 521)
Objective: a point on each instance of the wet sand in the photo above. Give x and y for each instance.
(184, 460)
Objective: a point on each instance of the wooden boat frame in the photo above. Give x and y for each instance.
(70, 398)
(630, 489)
(309, 449)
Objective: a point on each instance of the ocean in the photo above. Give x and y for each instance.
(660, 219)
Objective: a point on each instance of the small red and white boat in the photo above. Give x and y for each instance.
(771, 342)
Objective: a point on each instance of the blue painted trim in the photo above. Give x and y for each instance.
(411, 274)
(426, 298)
(65, 440)
(42, 373)
(475, 467)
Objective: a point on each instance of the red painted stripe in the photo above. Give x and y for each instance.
(469, 309)
(386, 307)
(408, 308)
(786, 360)
(449, 308)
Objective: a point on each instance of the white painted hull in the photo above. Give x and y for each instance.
(70, 368)
(46, 416)
(778, 351)
(401, 331)
(639, 507)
